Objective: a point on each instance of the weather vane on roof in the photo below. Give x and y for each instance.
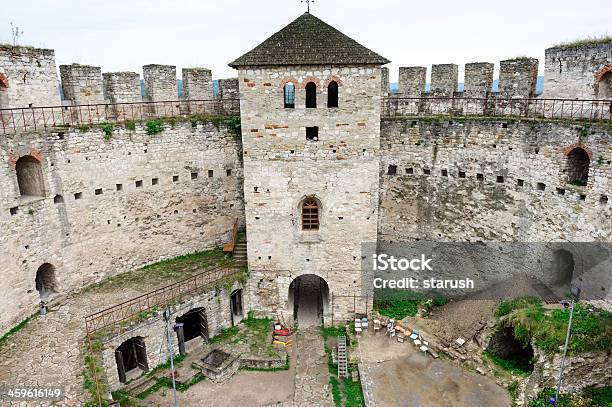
(307, 4)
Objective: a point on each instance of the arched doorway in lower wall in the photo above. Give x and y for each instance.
(195, 324)
(236, 306)
(46, 283)
(130, 357)
(308, 299)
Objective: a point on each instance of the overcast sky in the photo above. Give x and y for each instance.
(124, 35)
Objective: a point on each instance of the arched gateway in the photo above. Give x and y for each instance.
(308, 299)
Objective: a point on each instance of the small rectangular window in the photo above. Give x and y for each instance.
(139, 183)
(426, 171)
(119, 187)
(392, 170)
(409, 171)
(480, 177)
(154, 181)
(228, 172)
(312, 133)
(194, 175)
(500, 179)
(444, 173)
(520, 182)
(98, 191)
(461, 174)
(210, 173)
(289, 91)
(541, 186)
(175, 178)
(78, 195)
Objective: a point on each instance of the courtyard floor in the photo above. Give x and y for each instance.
(398, 374)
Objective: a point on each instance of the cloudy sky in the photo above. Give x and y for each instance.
(124, 35)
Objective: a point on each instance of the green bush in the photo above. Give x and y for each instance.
(108, 131)
(592, 328)
(154, 127)
(130, 125)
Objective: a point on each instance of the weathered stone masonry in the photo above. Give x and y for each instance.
(282, 168)
(492, 180)
(111, 206)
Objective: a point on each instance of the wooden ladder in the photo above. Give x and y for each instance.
(342, 358)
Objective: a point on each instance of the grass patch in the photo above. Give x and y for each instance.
(334, 331)
(130, 125)
(345, 392)
(592, 328)
(581, 42)
(397, 309)
(166, 271)
(252, 332)
(15, 329)
(590, 397)
(225, 335)
(510, 366)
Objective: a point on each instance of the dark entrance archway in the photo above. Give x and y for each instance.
(195, 324)
(129, 356)
(236, 306)
(46, 283)
(308, 299)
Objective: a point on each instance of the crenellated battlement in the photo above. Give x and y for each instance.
(28, 79)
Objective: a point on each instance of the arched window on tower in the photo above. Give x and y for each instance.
(332, 94)
(289, 95)
(29, 177)
(578, 167)
(310, 214)
(311, 95)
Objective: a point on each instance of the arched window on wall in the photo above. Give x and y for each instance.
(332, 94)
(3, 92)
(310, 214)
(289, 95)
(29, 177)
(604, 86)
(311, 95)
(578, 167)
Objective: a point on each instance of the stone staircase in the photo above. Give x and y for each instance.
(240, 250)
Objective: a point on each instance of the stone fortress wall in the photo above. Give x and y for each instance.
(104, 207)
(87, 211)
(493, 180)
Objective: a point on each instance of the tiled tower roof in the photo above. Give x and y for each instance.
(308, 40)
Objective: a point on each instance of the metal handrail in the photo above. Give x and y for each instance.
(159, 297)
(24, 119)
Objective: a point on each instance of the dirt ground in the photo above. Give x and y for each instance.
(244, 389)
(398, 374)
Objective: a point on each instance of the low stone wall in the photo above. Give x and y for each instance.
(217, 308)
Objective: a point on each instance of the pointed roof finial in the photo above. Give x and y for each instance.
(307, 4)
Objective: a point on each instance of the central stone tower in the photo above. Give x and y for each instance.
(310, 116)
